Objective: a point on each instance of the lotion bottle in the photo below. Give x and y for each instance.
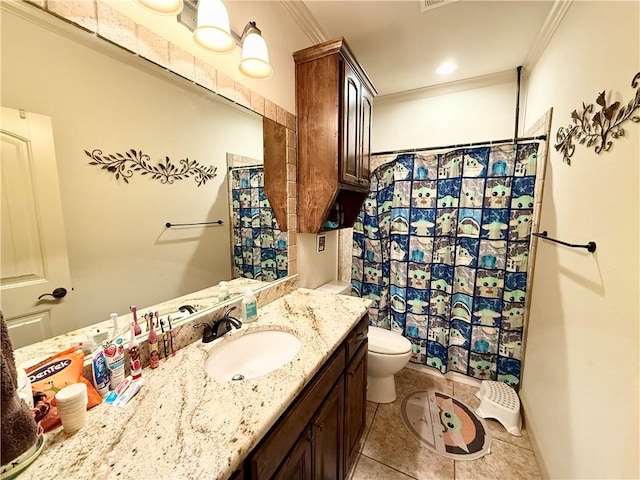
(134, 355)
(223, 293)
(249, 306)
(114, 322)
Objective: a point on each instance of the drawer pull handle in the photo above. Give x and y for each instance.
(359, 337)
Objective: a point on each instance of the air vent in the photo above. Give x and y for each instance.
(431, 4)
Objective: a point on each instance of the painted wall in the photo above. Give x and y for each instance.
(317, 268)
(474, 115)
(580, 380)
(120, 252)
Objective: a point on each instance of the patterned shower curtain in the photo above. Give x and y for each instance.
(441, 247)
(259, 247)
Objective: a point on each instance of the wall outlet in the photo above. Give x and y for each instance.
(321, 243)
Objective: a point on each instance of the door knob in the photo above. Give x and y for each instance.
(57, 293)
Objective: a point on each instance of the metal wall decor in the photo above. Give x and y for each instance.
(124, 164)
(599, 128)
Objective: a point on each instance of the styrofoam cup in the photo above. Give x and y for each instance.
(71, 404)
(73, 421)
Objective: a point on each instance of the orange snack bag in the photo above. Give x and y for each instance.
(53, 374)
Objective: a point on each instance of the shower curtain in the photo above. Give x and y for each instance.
(441, 247)
(259, 247)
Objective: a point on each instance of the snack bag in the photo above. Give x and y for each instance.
(52, 375)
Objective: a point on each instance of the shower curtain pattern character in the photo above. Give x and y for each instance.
(259, 247)
(441, 247)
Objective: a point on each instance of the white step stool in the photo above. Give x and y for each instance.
(498, 400)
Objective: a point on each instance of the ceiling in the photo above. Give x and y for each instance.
(400, 47)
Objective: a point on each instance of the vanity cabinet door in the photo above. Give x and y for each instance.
(356, 402)
(298, 464)
(328, 434)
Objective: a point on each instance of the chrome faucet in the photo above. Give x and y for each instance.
(219, 327)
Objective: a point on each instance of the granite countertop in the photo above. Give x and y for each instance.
(184, 424)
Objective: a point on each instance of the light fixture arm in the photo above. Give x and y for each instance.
(250, 27)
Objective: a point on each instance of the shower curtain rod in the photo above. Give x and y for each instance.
(460, 145)
(246, 167)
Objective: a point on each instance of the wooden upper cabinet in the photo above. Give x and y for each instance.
(334, 106)
(275, 169)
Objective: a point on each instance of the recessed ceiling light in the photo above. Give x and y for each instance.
(446, 68)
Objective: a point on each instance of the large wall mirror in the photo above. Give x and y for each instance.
(119, 250)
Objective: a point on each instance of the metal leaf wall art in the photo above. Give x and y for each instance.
(600, 128)
(123, 165)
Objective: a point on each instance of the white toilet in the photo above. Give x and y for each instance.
(389, 352)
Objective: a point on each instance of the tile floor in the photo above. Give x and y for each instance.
(389, 452)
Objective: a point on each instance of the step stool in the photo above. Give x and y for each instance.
(498, 400)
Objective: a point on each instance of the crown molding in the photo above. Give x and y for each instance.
(549, 27)
(482, 81)
(305, 20)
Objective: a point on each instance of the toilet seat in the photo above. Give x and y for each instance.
(386, 342)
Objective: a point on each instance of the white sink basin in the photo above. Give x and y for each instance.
(251, 355)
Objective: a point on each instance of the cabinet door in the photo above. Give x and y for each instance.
(366, 115)
(298, 464)
(328, 436)
(356, 402)
(350, 140)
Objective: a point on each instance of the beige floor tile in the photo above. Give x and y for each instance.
(504, 461)
(371, 413)
(466, 394)
(409, 380)
(390, 443)
(369, 469)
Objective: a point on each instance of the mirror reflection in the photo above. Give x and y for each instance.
(259, 244)
(112, 222)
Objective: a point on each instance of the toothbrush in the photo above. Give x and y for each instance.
(164, 335)
(172, 338)
(136, 328)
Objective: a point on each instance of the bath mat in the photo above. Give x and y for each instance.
(445, 425)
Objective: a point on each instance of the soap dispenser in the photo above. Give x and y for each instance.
(249, 306)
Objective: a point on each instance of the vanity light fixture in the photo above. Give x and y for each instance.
(162, 7)
(255, 57)
(213, 32)
(447, 68)
(209, 22)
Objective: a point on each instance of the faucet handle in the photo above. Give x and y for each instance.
(207, 334)
(228, 311)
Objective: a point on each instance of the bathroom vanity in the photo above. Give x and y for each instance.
(303, 419)
(317, 436)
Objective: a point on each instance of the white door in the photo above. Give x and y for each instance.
(33, 259)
